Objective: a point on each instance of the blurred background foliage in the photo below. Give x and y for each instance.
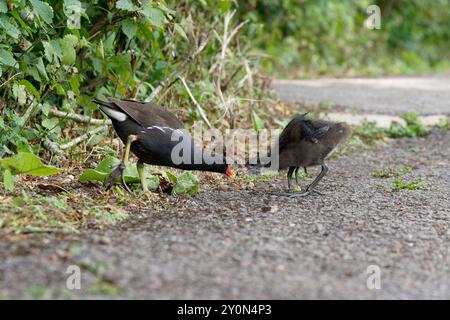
(310, 38)
(200, 51)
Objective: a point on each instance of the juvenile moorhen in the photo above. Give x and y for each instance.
(148, 130)
(305, 143)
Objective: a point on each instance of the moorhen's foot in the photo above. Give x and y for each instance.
(315, 191)
(118, 171)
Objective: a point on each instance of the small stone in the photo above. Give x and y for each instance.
(105, 240)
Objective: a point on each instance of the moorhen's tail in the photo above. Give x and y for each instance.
(111, 110)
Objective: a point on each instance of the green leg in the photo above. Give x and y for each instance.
(141, 172)
(126, 155)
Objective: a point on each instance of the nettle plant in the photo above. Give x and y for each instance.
(56, 54)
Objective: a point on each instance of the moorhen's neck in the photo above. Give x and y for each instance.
(214, 167)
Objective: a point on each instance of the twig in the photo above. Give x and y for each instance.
(175, 73)
(199, 108)
(78, 117)
(83, 137)
(53, 147)
(226, 38)
(24, 119)
(250, 83)
(11, 78)
(93, 84)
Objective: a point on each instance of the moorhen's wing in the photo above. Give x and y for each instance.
(148, 114)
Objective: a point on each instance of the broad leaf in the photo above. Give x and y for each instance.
(31, 89)
(126, 5)
(129, 28)
(28, 163)
(258, 124)
(8, 180)
(68, 44)
(6, 58)
(187, 183)
(9, 26)
(42, 10)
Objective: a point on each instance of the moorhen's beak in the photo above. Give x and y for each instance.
(230, 173)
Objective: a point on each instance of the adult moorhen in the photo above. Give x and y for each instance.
(305, 143)
(148, 130)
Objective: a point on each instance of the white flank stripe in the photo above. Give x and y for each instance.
(116, 115)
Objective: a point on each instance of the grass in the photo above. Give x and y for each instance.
(103, 288)
(368, 135)
(444, 124)
(34, 212)
(391, 172)
(411, 185)
(38, 292)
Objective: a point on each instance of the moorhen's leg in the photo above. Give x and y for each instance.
(310, 189)
(141, 173)
(122, 166)
(289, 176)
(296, 175)
(313, 184)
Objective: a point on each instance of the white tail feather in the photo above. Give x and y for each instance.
(116, 115)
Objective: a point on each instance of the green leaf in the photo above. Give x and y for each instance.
(8, 180)
(3, 6)
(72, 10)
(187, 183)
(258, 124)
(19, 93)
(75, 84)
(96, 139)
(126, 5)
(42, 10)
(49, 51)
(104, 169)
(129, 28)
(68, 44)
(9, 27)
(31, 89)
(6, 58)
(28, 163)
(41, 68)
(105, 165)
(46, 107)
(152, 182)
(154, 15)
(172, 178)
(178, 29)
(50, 123)
(93, 175)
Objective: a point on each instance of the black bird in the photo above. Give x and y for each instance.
(152, 133)
(305, 143)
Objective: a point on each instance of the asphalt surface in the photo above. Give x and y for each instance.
(425, 95)
(250, 244)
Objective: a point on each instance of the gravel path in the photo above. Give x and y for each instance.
(425, 95)
(249, 244)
